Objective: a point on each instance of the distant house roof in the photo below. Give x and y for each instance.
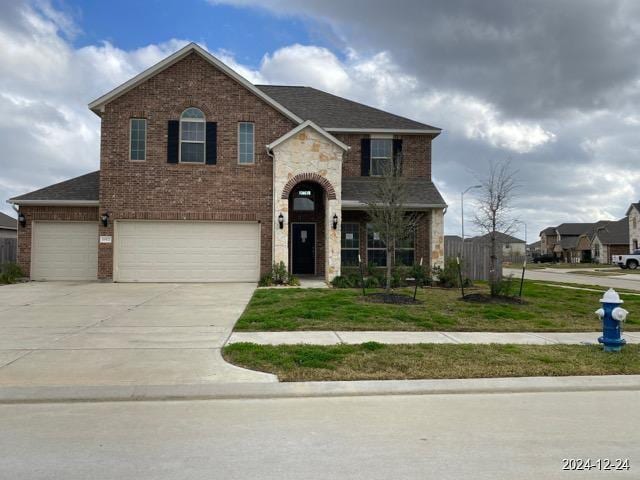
(337, 114)
(535, 245)
(500, 237)
(421, 193)
(614, 233)
(82, 190)
(7, 222)
(633, 205)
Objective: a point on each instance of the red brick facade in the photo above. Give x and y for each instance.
(154, 189)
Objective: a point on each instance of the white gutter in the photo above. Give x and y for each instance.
(407, 131)
(357, 205)
(55, 203)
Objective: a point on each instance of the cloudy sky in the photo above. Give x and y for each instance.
(553, 85)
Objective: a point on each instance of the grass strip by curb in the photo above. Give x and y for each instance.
(374, 361)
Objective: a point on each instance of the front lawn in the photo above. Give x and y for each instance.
(548, 309)
(373, 361)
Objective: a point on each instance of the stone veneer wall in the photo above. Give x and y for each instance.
(315, 158)
(634, 228)
(436, 235)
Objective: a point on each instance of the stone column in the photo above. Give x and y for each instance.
(332, 239)
(280, 236)
(436, 236)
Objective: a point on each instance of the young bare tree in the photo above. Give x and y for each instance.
(388, 213)
(494, 212)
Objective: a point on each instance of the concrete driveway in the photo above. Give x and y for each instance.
(62, 333)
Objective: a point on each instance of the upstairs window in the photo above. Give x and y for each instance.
(381, 155)
(137, 139)
(192, 136)
(245, 143)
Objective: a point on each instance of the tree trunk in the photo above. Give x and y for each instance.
(389, 259)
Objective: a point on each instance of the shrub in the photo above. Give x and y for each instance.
(372, 282)
(341, 282)
(278, 276)
(449, 276)
(504, 287)
(10, 273)
(421, 274)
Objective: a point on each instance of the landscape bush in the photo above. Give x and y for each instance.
(10, 273)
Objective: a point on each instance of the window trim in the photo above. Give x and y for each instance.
(131, 135)
(406, 249)
(371, 157)
(384, 249)
(204, 142)
(253, 143)
(356, 248)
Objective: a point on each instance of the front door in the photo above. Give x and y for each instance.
(303, 253)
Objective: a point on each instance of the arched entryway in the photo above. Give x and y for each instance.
(307, 229)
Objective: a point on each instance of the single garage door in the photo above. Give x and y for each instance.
(187, 252)
(64, 251)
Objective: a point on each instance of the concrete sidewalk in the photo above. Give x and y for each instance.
(335, 338)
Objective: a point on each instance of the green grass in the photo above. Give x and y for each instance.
(548, 309)
(373, 361)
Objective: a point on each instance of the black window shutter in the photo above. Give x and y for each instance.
(212, 143)
(365, 153)
(397, 152)
(173, 141)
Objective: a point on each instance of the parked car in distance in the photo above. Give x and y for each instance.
(544, 258)
(631, 261)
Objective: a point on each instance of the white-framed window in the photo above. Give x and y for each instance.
(381, 155)
(376, 249)
(138, 139)
(406, 251)
(246, 148)
(192, 136)
(350, 244)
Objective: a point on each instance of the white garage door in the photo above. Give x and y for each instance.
(187, 252)
(64, 251)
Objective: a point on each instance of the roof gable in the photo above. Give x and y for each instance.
(302, 126)
(97, 106)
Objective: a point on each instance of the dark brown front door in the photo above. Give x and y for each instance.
(303, 253)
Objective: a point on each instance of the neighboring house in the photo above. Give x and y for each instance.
(207, 177)
(574, 242)
(8, 226)
(534, 248)
(511, 246)
(610, 239)
(569, 242)
(633, 212)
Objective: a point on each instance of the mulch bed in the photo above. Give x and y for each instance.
(485, 298)
(392, 298)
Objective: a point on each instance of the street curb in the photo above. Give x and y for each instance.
(228, 391)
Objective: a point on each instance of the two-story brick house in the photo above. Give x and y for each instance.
(207, 177)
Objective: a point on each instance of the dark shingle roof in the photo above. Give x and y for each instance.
(7, 222)
(331, 111)
(574, 228)
(615, 233)
(500, 237)
(420, 191)
(83, 188)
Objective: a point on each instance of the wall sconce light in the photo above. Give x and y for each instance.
(22, 219)
(281, 221)
(105, 219)
(335, 221)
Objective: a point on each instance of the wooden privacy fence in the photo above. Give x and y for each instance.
(8, 250)
(476, 257)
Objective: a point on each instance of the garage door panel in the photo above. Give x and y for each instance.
(64, 251)
(187, 251)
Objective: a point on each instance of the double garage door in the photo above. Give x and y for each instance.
(149, 251)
